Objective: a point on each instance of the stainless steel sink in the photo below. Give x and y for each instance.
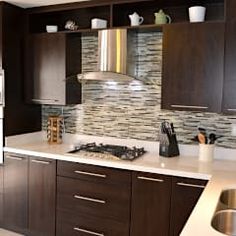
(228, 198)
(225, 222)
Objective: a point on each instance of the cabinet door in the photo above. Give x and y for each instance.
(48, 57)
(185, 194)
(150, 204)
(193, 60)
(15, 200)
(229, 95)
(42, 196)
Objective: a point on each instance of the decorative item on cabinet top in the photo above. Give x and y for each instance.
(135, 19)
(162, 18)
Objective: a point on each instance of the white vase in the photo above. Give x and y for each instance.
(197, 14)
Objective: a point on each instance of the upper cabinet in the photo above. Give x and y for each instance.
(53, 63)
(229, 95)
(193, 67)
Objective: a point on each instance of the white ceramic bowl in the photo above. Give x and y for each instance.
(51, 28)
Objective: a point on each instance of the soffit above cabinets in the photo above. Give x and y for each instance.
(38, 3)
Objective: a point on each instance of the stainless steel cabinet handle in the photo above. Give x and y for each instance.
(89, 199)
(193, 107)
(15, 158)
(90, 174)
(88, 231)
(41, 162)
(150, 179)
(231, 109)
(191, 185)
(44, 100)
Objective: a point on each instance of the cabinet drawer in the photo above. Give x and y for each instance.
(96, 199)
(84, 225)
(94, 173)
(181, 182)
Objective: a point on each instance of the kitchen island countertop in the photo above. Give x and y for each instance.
(220, 173)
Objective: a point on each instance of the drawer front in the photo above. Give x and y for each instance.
(84, 225)
(96, 199)
(94, 173)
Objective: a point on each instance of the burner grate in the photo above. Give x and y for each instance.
(121, 152)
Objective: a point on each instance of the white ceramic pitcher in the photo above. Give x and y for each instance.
(135, 19)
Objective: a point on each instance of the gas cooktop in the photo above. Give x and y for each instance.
(108, 151)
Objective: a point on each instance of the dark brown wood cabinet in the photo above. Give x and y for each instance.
(229, 95)
(42, 196)
(19, 117)
(54, 60)
(185, 194)
(150, 212)
(15, 194)
(193, 66)
(93, 200)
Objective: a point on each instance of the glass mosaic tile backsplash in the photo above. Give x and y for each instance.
(132, 109)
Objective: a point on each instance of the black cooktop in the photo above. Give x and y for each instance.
(122, 152)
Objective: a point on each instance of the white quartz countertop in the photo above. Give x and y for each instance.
(220, 173)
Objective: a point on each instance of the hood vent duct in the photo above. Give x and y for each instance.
(115, 57)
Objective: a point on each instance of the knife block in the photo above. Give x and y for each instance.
(168, 146)
(55, 128)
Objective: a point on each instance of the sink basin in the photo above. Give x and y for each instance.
(225, 222)
(228, 198)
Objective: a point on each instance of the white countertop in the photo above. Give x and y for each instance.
(221, 173)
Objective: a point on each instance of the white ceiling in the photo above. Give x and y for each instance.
(37, 3)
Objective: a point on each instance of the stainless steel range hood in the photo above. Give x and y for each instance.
(115, 60)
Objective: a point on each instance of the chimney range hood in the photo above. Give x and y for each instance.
(115, 57)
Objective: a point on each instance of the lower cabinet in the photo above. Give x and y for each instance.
(185, 194)
(29, 195)
(15, 193)
(151, 196)
(42, 196)
(92, 200)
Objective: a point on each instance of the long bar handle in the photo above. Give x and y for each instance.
(150, 179)
(90, 174)
(41, 162)
(89, 199)
(190, 185)
(231, 109)
(16, 158)
(186, 106)
(44, 100)
(88, 231)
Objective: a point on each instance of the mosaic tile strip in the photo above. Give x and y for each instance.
(132, 110)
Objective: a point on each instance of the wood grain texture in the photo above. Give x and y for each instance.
(150, 211)
(42, 197)
(67, 221)
(15, 199)
(115, 205)
(183, 200)
(111, 176)
(19, 117)
(54, 61)
(229, 96)
(193, 66)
